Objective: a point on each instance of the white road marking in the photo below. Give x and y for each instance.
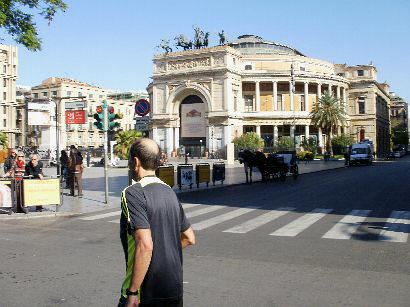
(203, 211)
(259, 220)
(397, 227)
(186, 205)
(346, 227)
(101, 216)
(117, 221)
(222, 218)
(300, 224)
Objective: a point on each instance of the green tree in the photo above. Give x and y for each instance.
(340, 143)
(286, 143)
(124, 141)
(328, 113)
(16, 17)
(4, 140)
(249, 140)
(310, 144)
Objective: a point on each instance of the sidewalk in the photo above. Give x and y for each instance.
(94, 194)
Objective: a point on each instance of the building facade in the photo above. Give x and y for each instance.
(11, 110)
(62, 90)
(398, 112)
(368, 106)
(207, 97)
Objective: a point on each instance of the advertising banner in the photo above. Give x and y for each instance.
(38, 118)
(41, 192)
(193, 123)
(75, 117)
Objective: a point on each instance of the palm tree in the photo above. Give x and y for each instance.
(3, 140)
(124, 141)
(328, 113)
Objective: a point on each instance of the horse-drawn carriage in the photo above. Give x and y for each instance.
(274, 166)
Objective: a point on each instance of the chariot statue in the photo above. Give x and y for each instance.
(183, 42)
(199, 36)
(164, 44)
(206, 40)
(222, 38)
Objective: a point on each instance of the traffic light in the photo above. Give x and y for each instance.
(111, 119)
(99, 117)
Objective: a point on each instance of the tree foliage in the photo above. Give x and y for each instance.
(124, 141)
(340, 143)
(286, 143)
(249, 140)
(328, 113)
(4, 140)
(16, 17)
(310, 144)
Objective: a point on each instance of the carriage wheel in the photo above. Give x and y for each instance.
(282, 176)
(295, 172)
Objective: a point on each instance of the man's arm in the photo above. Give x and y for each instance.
(142, 260)
(188, 237)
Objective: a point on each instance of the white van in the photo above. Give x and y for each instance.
(361, 153)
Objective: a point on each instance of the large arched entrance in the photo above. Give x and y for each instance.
(192, 114)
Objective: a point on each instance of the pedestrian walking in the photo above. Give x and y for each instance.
(17, 170)
(34, 169)
(153, 231)
(75, 167)
(64, 167)
(10, 160)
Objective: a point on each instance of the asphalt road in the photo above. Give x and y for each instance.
(334, 238)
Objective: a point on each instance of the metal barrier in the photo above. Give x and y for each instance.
(166, 174)
(203, 173)
(185, 175)
(218, 172)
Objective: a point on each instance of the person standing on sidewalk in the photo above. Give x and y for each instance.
(10, 160)
(17, 170)
(34, 169)
(153, 231)
(75, 167)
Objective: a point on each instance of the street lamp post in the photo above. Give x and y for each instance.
(292, 79)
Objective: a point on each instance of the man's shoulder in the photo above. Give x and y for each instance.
(133, 191)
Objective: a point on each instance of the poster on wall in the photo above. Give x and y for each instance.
(193, 120)
(38, 118)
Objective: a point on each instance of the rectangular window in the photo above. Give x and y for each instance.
(4, 69)
(4, 96)
(302, 102)
(4, 110)
(35, 95)
(235, 103)
(90, 96)
(280, 103)
(4, 82)
(68, 93)
(361, 105)
(5, 123)
(248, 67)
(54, 93)
(248, 103)
(45, 94)
(360, 73)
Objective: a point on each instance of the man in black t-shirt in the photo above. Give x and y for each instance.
(154, 230)
(35, 169)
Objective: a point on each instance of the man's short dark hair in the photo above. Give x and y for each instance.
(147, 151)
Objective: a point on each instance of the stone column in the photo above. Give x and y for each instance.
(319, 90)
(154, 135)
(176, 138)
(169, 138)
(228, 95)
(292, 131)
(275, 95)
(292, 103)
(330, 90)
(258, 130)
(338, 92)
(275, 135)
(258, 97)
(306, 132)
(227, 137)
(210, 138)
(307, 96)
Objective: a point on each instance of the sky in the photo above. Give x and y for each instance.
(111, 43)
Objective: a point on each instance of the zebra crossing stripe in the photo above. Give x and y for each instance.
(397, 227)
(260, 220)
(222, 218)
(101, 216)
(347, 226)
(187, 205)
(297, 226)
(117, 221)
(203, 211)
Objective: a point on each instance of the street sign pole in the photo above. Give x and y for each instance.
(105, 110)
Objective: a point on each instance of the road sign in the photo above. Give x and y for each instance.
(142, 107)
(142, 123)
(75, 117)
(72, 105)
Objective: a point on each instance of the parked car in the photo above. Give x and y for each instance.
(399, 151)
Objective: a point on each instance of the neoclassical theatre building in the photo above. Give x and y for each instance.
(204, 98)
